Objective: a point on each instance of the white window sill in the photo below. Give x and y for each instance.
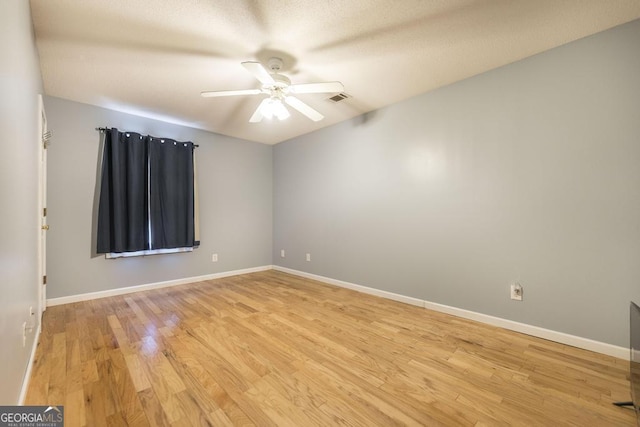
(115, 255)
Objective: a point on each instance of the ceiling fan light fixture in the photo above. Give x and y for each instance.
(275, 107)
(278, 88)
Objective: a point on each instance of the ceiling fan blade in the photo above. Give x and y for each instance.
(259, 72)
(257, 115)
(217, 93)
(325, 87)
(303, 108)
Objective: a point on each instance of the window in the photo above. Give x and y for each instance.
(147, 195)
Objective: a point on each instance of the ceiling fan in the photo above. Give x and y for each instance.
(279, 91)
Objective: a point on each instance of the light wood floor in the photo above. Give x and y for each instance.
(274, 349)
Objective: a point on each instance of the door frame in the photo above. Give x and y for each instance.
(42, 206)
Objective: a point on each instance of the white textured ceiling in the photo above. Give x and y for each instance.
(154, 57)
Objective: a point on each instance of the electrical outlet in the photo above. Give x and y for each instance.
(214, 258)
(281, 253)
(516, 291)
(31, 324)
(308, 257)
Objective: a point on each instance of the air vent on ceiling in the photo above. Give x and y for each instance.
(339, 97)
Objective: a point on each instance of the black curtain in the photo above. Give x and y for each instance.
(123, 210)
(147, 194)
(171, 193)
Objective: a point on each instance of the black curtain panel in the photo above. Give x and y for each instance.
(171, 195)
(123, 209)
(146, 195)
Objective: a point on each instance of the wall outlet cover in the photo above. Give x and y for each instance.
(516, 292)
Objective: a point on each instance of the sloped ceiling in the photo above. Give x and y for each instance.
(154, 57)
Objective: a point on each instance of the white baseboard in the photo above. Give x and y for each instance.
(560, 337)
(27, 374)
(548, 334)
(131, 289)
(352, 286)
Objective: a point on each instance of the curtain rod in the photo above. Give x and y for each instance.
(103, 129)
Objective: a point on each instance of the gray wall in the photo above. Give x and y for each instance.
(234, 179)
(530, 172)
(20, 84)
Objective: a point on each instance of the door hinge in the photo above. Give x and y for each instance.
(45, 139)
(44, 279)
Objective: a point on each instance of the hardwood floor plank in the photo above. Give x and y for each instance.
(164, 390)
(74, 410)
(58, 374)
(205, 389)
(152, 408)
(196, 415)
(129, 405)
(280, 355)
(270, 348)
(137, 373)
(39, 382)
(95, 402)
(280, 410)
(220, 419)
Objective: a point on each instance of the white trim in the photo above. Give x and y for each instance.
(121, 291)
(536, 331)
(548, 334)
(352, 286)
(116, 255)
(42, 203)
(27, 374)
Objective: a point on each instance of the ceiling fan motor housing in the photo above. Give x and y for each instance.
(275, 64)
(280, 81)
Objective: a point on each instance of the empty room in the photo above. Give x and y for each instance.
(316, 213)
